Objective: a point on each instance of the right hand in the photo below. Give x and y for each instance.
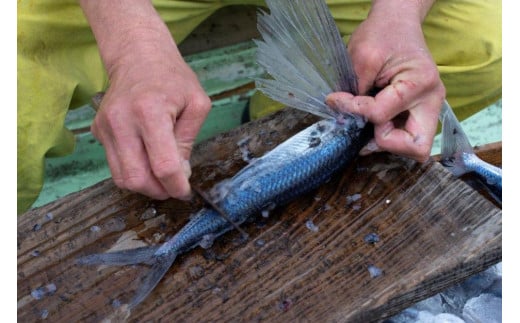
(154, 106)
(148, 121)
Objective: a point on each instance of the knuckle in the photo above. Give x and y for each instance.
(134, 180)
(119, 182)
(422, 153)
(383, 144)
(442, 91)
(379, 117)
(430, 77)
(164, 168)
(94, 129)
(368, 54)
(111, 117)
(145, 104)
(201, 102)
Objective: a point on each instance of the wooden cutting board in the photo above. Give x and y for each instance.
(382, 235)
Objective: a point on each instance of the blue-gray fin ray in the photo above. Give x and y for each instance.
(453, 137)
(141, 255)
(160, 266)
(303, 52)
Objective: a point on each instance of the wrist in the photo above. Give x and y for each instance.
(128, 32)
(410, 10)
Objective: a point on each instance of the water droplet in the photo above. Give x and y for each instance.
(353, 198)
(51, 288)
(116, 303)
(371, 238)
(148, 213)
(285, 305)
(38, 293)
(43, 291)
(374, 271)
(207, 241)
(311, 226)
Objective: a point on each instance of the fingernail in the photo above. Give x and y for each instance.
(369, 148)
(331, 101)
(386, 129)
(188, 197)
(186, 167)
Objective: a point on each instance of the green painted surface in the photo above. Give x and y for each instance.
(85, 167)
(227, 68)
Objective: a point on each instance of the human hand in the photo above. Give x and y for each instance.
(389, 53)
(148, 132)
(152, 110)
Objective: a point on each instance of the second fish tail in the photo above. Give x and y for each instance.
(160, 265)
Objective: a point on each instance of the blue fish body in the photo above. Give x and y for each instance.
(491, 174)
(297, 166)
(306, 59)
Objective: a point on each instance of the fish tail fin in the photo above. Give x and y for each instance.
(120, 258)
(160, 265)
(303, 52)
(454, 141)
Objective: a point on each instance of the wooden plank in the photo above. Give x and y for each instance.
(492, 153)
(308, 261)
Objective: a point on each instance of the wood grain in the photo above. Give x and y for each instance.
(308, 261)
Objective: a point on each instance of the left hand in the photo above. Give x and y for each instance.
(389, 53)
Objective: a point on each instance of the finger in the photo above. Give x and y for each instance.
(410, 141)
(385, 106)
(367, 64)
(126, 155)
(189, 122)
(135, 170)
(166, 163)
(108, 146)
(345, 102)
(369, 148)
